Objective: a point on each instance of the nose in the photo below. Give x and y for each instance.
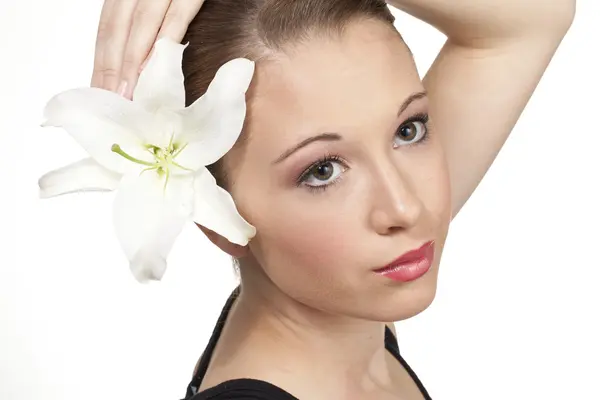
(395, 203)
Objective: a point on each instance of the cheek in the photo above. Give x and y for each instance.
(315, 243)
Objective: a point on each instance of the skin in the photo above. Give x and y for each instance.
(308, 293)
(127, 31)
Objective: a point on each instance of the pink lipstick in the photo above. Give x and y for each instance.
(410, 265)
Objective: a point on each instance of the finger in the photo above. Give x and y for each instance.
(176, 22)
(146, 23)
(178, 18)
(100, 43)
(119, 24)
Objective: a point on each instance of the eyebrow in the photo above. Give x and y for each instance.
(330, 137)
(410, 99)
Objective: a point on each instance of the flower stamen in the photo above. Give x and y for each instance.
(166, 180)
(149, 169)
(179, 150)
(164, 158)
(181, 166)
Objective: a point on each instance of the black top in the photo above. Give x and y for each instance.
(254, 389)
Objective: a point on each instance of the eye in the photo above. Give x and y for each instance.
(323, 173)
(412, 131)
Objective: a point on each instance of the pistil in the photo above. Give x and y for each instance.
(117, 149)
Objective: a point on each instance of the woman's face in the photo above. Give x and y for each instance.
(372, 188)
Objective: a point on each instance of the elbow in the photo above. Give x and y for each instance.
(558, 17)
(517, 20)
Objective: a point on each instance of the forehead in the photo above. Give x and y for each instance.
(327, 83)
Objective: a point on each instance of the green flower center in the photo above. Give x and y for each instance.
(164, 158)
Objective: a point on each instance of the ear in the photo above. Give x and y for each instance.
(232, 249)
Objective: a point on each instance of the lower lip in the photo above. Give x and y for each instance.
(409, 271)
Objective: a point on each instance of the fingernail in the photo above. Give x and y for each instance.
(122, 88)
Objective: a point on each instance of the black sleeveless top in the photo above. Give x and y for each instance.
(253, 389)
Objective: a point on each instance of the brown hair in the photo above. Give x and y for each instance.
(254, 29)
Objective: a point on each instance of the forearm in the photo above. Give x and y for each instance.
(486, 72)
(482, 22)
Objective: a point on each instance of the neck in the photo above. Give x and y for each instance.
(336, 348)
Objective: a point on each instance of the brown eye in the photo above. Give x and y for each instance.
(323, 171)
(412, 131)
(408, 131)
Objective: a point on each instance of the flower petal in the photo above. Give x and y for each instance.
(83, 175)
(97, 119)
(150, 261)
(148, 218)
(161, 81)
(214, 209)
(213, 123)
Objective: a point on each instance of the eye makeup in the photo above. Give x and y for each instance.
(332, 158)
(328, 158)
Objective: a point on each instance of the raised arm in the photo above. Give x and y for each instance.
(485, 74)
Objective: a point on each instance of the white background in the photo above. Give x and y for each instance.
(516, 314)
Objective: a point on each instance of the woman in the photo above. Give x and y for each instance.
(341, 170)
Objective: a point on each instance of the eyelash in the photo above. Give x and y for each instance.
(334, 158)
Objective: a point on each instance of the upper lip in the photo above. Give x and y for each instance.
(409, 256)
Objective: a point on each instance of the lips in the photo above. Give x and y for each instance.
(409, 257)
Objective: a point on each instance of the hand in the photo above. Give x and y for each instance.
(127, 32)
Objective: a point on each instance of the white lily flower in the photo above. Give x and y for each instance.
(154, 151)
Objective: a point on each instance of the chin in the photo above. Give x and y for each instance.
(406, 300)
